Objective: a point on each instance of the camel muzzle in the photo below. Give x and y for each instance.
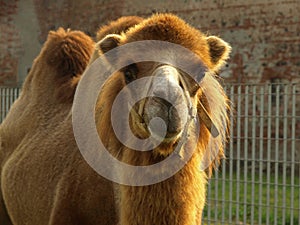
(164, 112)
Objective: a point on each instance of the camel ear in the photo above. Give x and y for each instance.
(109, 42)
(219, 51)
(106, 44)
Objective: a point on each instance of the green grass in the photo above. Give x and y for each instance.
(245, 200)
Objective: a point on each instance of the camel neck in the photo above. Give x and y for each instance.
(178, 200)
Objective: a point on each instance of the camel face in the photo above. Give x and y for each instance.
(163, 114)
(179, 101)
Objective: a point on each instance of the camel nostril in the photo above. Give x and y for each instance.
(166, 104)
(174, 122)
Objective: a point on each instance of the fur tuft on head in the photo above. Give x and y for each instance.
(118, 26)
(115, 27)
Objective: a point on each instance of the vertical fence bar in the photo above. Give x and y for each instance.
(238, 124)
(269, 151)
(231, 156)
(209, 203)
(253, 138)
(11, 97)
(246, 118)
(1, 104)
(6, 100)
(3, 96)
(293, 148)
(277, 94)
(261, 152)
(216, 200)
(223, 182)
(285, 136)
(223, 191)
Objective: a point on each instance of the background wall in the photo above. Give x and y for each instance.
(264, 34)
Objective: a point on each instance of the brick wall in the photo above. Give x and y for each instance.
(264, 34)
(10, 47)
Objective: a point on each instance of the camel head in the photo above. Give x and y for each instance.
(172, 96)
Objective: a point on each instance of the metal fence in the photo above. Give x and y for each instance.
(259, 181)
(7, 97)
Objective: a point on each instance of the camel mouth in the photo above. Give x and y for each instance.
(168, 138)
(138, 125)
(161, 116)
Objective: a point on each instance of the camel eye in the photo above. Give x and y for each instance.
(130, 73)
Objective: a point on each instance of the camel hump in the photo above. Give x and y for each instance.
(68, 51)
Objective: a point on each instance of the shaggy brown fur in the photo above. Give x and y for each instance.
(115, 27)
(46, 180)
(118, 26)
(180, 199)
(45, 100)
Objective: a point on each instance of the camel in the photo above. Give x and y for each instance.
(46, 180)
(181, 198)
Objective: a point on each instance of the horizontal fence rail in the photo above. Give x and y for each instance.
(258, 182)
